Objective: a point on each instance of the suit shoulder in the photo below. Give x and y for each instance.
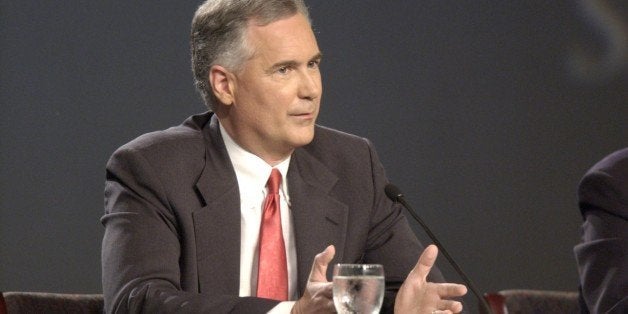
(180, 141)
(615, 163)
(605, 185)
(339, 149)
(328, 136)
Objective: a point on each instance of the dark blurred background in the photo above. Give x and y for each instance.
(486, 113)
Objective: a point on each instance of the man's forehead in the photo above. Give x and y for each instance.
(282, 38)
(278, 29)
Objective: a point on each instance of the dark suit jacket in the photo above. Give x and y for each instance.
(603, 254)
(172, 219)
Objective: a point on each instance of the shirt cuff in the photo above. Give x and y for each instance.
(282, 308)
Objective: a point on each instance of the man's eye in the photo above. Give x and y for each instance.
(283, 70)
(313, 64)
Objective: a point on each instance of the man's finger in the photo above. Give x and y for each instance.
(454, 306)
(321, 260)
(447, 290)
(425, 263)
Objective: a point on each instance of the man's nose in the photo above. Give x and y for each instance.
(310, 85)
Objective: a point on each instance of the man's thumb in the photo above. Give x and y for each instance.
(321, 261)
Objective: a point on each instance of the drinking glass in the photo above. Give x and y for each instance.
(358, 288)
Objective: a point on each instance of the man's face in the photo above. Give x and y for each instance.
(276, 95)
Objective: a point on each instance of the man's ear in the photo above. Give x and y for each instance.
(221, 81)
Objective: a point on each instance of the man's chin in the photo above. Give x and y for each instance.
(303, 138)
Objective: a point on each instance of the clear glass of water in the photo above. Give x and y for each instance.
(358, 288)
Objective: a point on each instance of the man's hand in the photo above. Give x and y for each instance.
(416, 295)
(318, 296)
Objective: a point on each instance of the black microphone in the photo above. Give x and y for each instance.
(394, 193)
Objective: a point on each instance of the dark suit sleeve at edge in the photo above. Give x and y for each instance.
(602, 258)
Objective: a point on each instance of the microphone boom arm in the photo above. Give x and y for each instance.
(394, 193)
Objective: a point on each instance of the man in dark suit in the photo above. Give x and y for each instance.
(603, 254)
(183, 206)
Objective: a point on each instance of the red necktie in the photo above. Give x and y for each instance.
(272, 274)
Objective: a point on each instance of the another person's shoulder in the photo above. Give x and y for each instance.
(614, 163)
(605, 185)
(614, 166)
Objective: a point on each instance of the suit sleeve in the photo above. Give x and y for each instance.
(602, 256)
(141, 248)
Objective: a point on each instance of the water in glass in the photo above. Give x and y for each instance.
(358, 290)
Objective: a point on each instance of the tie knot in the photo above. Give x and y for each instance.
(274, 181)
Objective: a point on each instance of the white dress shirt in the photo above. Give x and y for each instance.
(252, 174)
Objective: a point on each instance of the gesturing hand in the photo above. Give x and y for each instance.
(318, 296)
(416, 295)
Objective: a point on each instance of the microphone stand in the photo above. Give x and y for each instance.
(395, 194)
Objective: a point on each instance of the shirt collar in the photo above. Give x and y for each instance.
(252, 172)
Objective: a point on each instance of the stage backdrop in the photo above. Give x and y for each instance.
(486, 113)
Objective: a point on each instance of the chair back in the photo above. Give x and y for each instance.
(41, 302)
(526, 301)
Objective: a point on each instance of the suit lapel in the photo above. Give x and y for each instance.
(319, 219)
(217, 240)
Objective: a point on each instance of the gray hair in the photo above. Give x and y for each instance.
(218, 35)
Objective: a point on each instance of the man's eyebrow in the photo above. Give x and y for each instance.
(287, 63)
(317, 56)
(292, 63)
